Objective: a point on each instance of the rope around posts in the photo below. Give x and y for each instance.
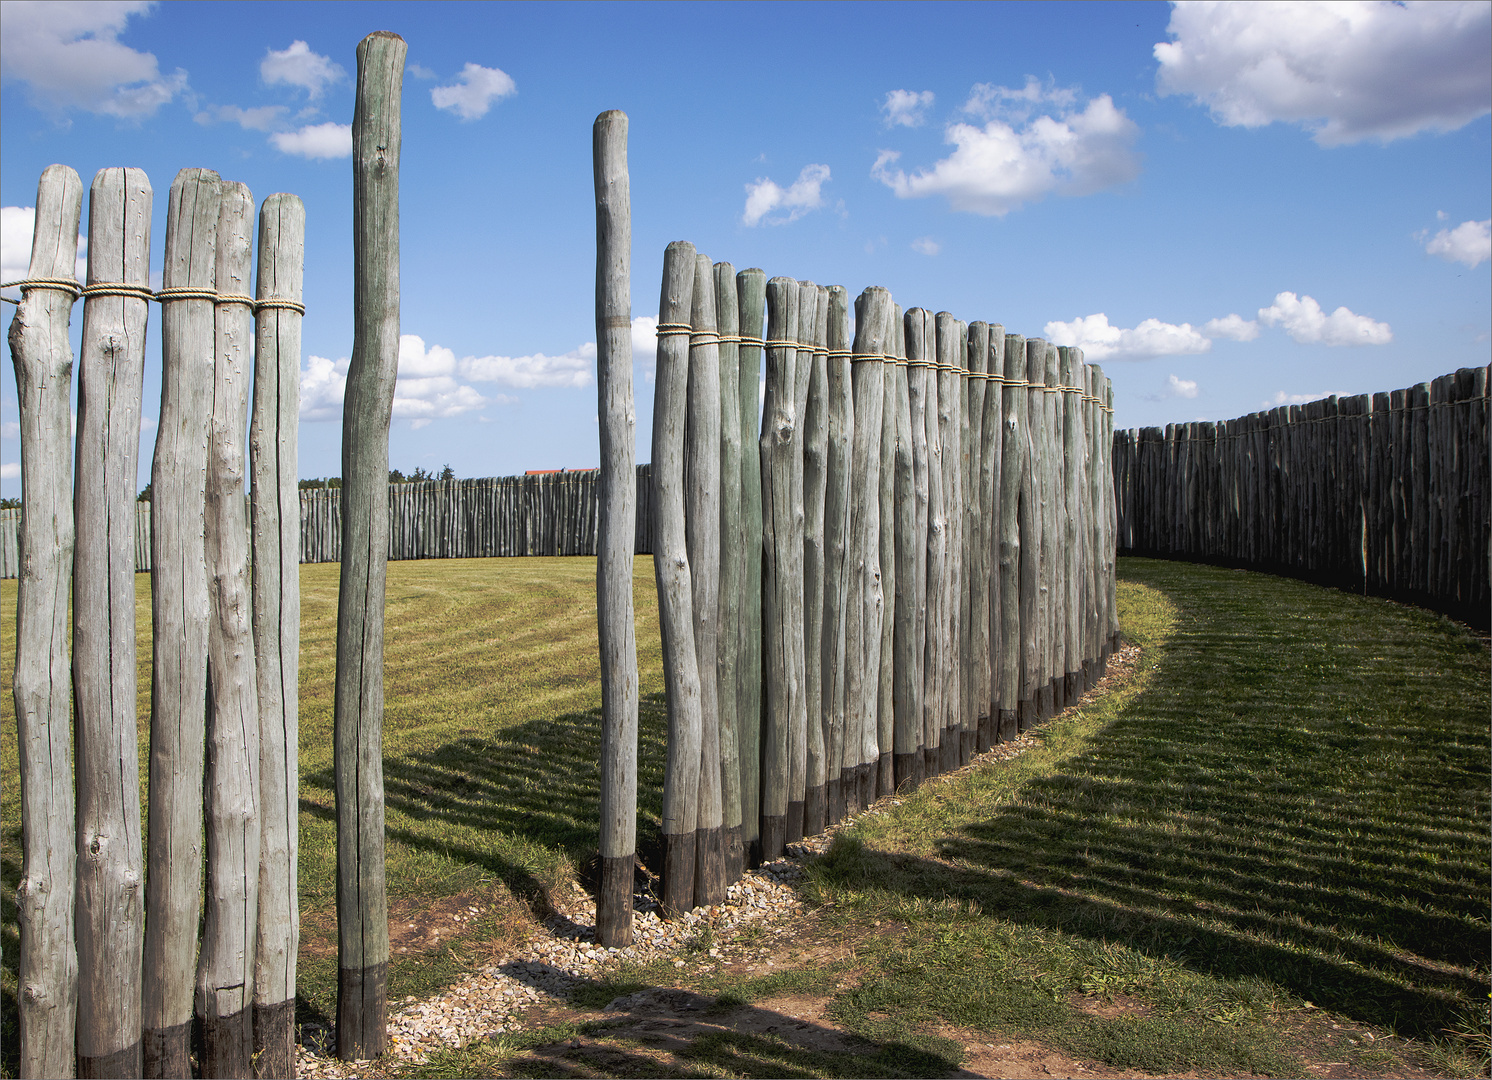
(673, 329)
(142, 292)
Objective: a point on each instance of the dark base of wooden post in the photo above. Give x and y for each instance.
(753, 848)
(966, 743)
(1116, 642)
(678, 873)
(774, 837)
(885, 776)
(167, 1052)
(929, 762)
(867, 778)
(1007, 727)
(948, 752)
(122, 1063)
(794, 822)
(984, 733)
(1045, 709)
(274, 1040)
(1025, 714)
(834, 796)
(362, 1013)
(735, 855)
(815, 811)
(1059, 693)
(613, 902)
(227, 1044)
(849, 782)
(908, 769)
(709, 866)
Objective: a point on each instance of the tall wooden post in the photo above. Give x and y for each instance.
(274, 511)
(992, 436)
(751, 299)
(782, 592)
(179, 610)
(815, 482)
(1013, 473)
(907, 681)
(831, 656)
(618, 511)
(47, 976)
(702, 529)
(732, 569)
(884, 764)
(225, 966)
(362, 901)
(867, 602)
(919, 382)
(950, 351)
(681, 675)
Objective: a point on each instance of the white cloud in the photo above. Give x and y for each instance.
(322, 384)
(329, 140)
(572, 369)
(1233, 327)
(1469, 242)
(1282, 398)
(16, 229)
(68, 55)
(907, 108)
(765, 196)
(299, 66)
(989, 101)
(419, 71)
(1302, 318)
(474, 91)
(1015, 158)
(11, 429)
(926, 245)
(1100, 341)
(259, 118)
(427, 388)
(1184, 388)
(1348, 71)
(11, 470)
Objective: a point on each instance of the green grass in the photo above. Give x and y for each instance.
(1289, 804)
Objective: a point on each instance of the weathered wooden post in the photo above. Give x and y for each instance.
(1072, 457)
(614, 613)
(732, 569)
(884, 765)
(906, 672)
(863, 629)
(362, 901)
(987, 629)
(919, 381)
(179, 609)
(225, 965)
(1013, 475)
(831, 656)
(782, 592)
(681, 673)
(274, 510)
(950, 350)
(47, 976)
(751, 299)
(702, 532)
(815, 481)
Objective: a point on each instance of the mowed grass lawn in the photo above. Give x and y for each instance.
(1288, 804)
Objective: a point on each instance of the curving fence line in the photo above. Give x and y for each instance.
(1382, 493)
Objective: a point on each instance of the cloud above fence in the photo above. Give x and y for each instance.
(299, 66)
(907, 108)
(1344, 71)
(1100, 341)
(1469, 242)
(328, 140)
(1035, 142)
(765, 197)
(474, 92)
(1302, 318)
(69, 57)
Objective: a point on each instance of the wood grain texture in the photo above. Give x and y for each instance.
(840, 442)
(362, 899)
(47, 971)
(732, 568)
(751, 299)
(815, 481)
(675, 591)
(906, 651)
(274, 507)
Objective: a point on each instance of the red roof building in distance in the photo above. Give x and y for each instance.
(546, 472)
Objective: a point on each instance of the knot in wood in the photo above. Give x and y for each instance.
(34, 994)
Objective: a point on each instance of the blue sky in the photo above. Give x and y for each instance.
(1227, 206)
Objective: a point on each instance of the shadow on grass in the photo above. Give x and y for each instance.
(537, 783)
(1300, 795)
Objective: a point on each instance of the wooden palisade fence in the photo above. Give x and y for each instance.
(1382, 493)
(111, 970)
(936, 541)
